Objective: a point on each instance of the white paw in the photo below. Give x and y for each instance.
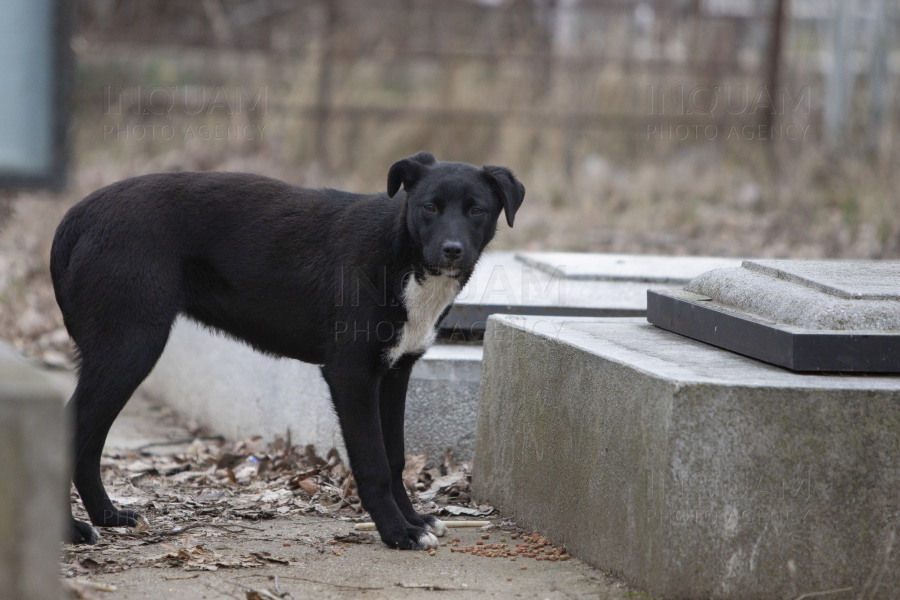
(437, 528)
(94, 536)
(142, 524)
(427, 540)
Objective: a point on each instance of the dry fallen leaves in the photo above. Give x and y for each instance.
(273, 593)
(250, 480)
(415, 464)
(219, 487)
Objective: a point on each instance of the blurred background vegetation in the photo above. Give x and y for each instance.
(713, 127)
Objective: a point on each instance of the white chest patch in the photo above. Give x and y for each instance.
(424, 303)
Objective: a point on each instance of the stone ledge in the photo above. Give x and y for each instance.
(690, 471)
(701, 318)
(35, 482)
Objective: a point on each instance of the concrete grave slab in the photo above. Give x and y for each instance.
(650, 268)
(34, 488)
(691, 471)
(803, 315)
(568, 284)
(504, 284)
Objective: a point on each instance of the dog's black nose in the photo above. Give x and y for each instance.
(452, 250)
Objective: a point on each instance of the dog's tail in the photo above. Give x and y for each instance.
(67, 235)
(66, 238)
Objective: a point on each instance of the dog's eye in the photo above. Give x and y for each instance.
(430, 208)
(476, 211)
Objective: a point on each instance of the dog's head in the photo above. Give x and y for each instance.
(452, 208)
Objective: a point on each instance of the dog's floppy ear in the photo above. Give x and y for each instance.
(510, 191)
(408, 171)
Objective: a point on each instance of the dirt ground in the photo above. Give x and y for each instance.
(256, 539)
(367, 570)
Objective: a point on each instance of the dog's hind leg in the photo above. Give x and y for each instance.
(119, 292)
(392, 405)
(111, 370)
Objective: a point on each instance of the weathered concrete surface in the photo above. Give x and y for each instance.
(35, 480)
(239, 392)
(649, 268)
(688, 470)
(817, 295)
(442, 402)
(860, 279)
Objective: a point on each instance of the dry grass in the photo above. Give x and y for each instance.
(707, 204)
(592, 190)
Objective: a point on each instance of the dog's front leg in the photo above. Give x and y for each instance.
(354, 392)
(392, 404)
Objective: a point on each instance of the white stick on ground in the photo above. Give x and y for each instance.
(371, 526)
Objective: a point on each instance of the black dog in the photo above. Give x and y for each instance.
(355, 283)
